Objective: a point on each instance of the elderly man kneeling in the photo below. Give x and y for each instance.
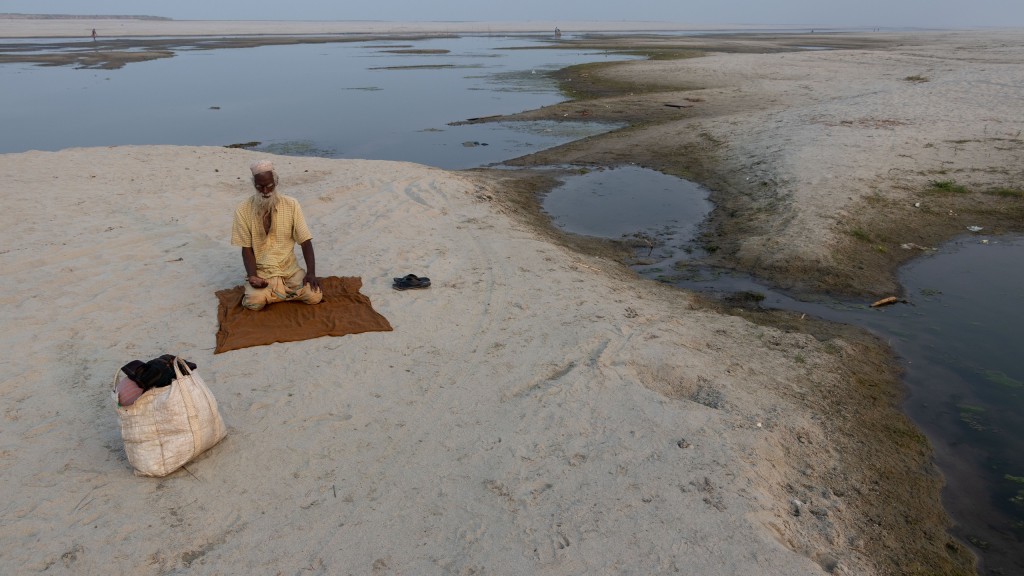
(267, 225)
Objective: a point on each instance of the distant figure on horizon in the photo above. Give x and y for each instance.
(558, 33)
(93, 34)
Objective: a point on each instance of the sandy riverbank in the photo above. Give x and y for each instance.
(536, 411)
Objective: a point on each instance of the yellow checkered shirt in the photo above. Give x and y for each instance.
(275, 252)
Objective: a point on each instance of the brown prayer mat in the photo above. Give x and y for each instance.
(343, 311)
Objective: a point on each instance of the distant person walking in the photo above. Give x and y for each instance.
(93, 34)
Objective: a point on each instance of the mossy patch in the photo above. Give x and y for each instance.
(1007, 192)
(999, 377)
(948, 186)
(298, 148)
(972, 416)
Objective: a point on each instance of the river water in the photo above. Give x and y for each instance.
(342, 100)
(958, 337)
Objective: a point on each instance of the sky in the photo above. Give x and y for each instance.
(821, 13)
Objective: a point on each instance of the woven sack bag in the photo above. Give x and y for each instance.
(167, 427)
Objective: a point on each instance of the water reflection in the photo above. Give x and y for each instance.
(659, 213)
(961, 343)
(346, 100)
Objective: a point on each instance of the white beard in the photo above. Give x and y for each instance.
(265, 205)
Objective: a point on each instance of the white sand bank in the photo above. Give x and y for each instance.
(533, 412)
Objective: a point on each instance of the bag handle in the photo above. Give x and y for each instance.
(177, 371)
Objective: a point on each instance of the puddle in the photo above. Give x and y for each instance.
(661, 213)
(958, 335)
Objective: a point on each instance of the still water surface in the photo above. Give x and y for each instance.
(343, 100)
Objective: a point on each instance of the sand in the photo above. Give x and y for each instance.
(504, 426)
(536, 411)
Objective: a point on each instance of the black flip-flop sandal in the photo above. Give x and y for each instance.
(411, 281)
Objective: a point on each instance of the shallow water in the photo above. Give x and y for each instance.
(342, 100)
(961, 344)
(661, 211)
(958, 335)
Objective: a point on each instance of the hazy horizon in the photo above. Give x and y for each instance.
(822, 13)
